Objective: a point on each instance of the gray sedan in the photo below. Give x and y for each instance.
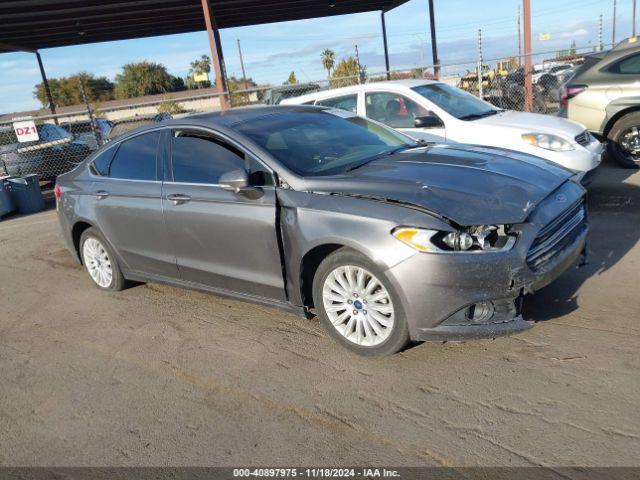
(319, 211)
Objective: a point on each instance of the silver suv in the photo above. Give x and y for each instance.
(604, 95)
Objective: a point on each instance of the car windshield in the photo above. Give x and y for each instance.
(322, 143)
(456, 102)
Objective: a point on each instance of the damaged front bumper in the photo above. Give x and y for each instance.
(470, 296)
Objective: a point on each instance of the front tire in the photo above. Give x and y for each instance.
(624, 141)
(358, 306)
(100, 262)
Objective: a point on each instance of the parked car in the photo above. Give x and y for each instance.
(437, 112)
(56, 152)
(83, 133)
(276, 95)
(604, 95)
(317, 209)
(553, 71)
(508, 93)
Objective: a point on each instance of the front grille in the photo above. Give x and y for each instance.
(583, 139)
(555, 236)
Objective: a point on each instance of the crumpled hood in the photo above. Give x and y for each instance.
(469, 185)
(532, 123)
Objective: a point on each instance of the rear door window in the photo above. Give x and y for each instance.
(136, 158)
(627, 66)
(344, 102)
(100, 164)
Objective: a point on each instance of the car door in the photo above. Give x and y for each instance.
(127, 204)
(400, 112)
(221, 239)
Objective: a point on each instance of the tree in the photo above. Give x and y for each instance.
(66, 90)
(200, 66)
(145, 78)
(171, 107)
(234, 84)
(328, 60)
(347, 72)
(292, 80)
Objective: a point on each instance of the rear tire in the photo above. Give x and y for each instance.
(358, 306)
(100, 262)
(623, 143)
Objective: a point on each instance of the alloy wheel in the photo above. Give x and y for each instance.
(630, 143)
(97, 262)
(358, 305)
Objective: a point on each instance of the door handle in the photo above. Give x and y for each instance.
(101, 194)
(178, 198)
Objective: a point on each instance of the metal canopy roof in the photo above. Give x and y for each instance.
(36, 24)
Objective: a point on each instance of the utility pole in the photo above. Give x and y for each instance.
(244, 76)
(47, 90)
(633, 20)
(386, 48)
(520, 37)
(94, 128)
(434, 45)
(359, 67)
(528, 84)
(480, 63)
(613, 30)
(600, 35)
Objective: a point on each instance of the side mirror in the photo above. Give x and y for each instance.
(428, 121)
(235, 180)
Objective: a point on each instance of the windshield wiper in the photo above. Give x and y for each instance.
(401, 148)
(474, 116)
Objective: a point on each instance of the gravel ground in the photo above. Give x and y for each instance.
(155, 375)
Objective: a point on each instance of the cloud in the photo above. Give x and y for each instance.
(580, 32)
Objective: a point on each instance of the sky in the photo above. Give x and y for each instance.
(272, 51)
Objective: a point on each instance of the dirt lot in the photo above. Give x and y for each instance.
(156, 375)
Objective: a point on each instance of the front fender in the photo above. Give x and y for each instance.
(309, 220)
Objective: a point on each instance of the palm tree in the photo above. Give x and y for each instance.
(328, 60)
(200, 66)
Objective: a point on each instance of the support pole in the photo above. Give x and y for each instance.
(434, 45)
(386, 49)
(47, 90)
(216, 53)
(633, 19)
(528, 85)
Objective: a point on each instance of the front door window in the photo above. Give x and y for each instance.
(393, 109)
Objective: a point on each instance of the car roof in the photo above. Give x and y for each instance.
(225, 119)
(390, 84)
(241, 114)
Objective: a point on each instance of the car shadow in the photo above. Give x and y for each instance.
(614, 214)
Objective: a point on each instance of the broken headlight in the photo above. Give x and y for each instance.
(481, 238)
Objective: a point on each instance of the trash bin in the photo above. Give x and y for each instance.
(26, 194)
(6, 202)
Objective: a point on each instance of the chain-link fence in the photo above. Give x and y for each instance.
(65, 139)
(59, 142)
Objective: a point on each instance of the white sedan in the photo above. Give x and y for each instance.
(438, 112)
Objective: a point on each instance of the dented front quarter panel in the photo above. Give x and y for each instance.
(309, 220)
